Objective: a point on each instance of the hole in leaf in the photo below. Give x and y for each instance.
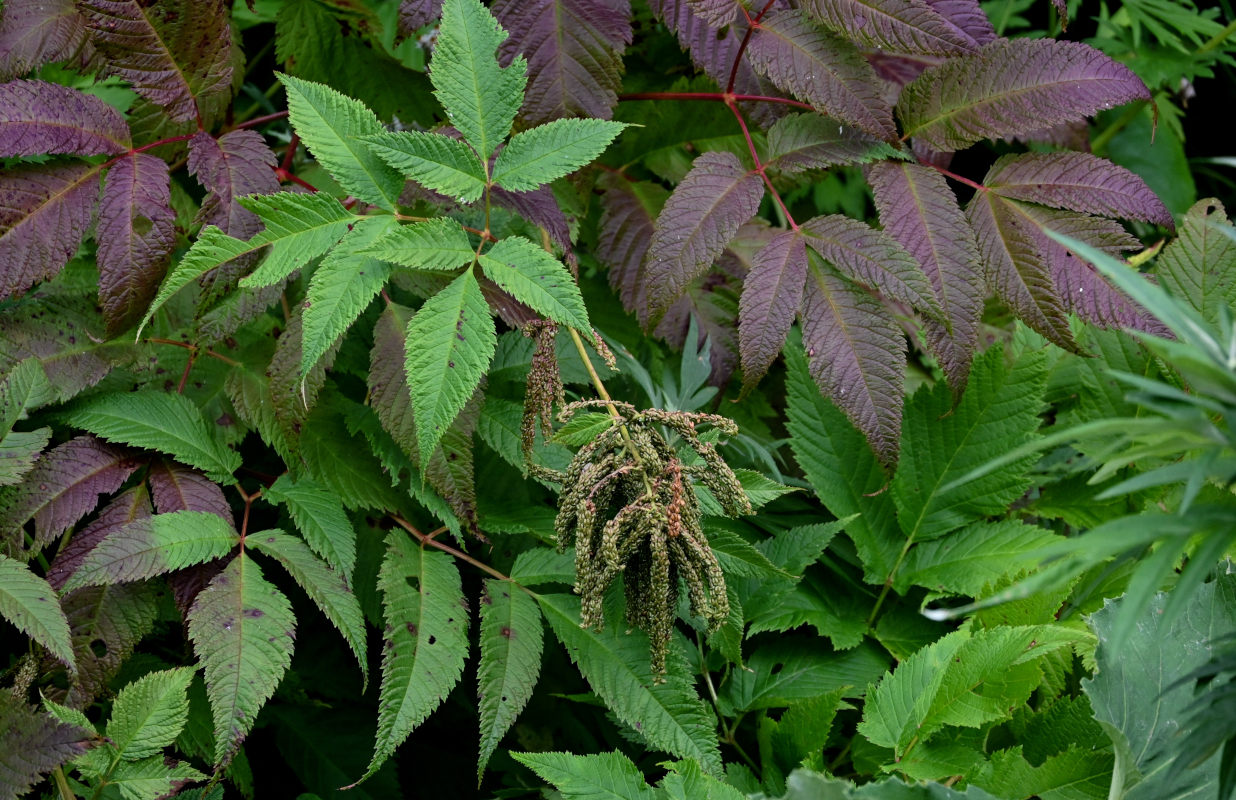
(99, 648)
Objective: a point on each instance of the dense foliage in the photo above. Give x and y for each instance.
(793, 337)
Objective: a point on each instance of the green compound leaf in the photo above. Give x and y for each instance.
(669, 716)
(155, 420)
(331, 126)
(149, 713)
(341, 288)
(603, 776)
(547, 152)
(534, 277)
(975, 557)
(320, 518)
(481, 98)
(212, 248)
(327, 588)
(154, 546)
(436, 244)
(30, 603)
(436, 162)
(242, 630)
(426, 640)
(299, 228)
(511, 643)
(152, 778)
(450, 343)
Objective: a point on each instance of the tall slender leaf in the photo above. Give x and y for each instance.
(547, 152)
(892, 25)
(772, 295)
(435, 161)
(149, 713)
(30, 603)
(511, 642)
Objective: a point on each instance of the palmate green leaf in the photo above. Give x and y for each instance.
(320, 518)
(152, 778)
(153, 546)
(326, 587)
(534, 277)
(450, 342)
(426, 640)
(149, 713)
(975, 557)
(331, 125)
(481, 98)
(155, 420)
(437, 244)
(669, 716)
(242, 630)
(341, 288)
(511, 643)
(30, 603)
(547, 152)
(437, 162)
(603, 776)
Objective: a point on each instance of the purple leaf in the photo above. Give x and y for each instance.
(38, 117)
(179, 488)
(918, 209)
(236, 164)
(904, 26)
(1079, 182)
(136, 234)
(133, 504)
(64, 486)
(809, 141)
(176, 54)
(1013, 87)
(106, 623)
(416, 14)
(34, 32)
(968, 17)
(1016, 271)
(823, 70)
(872, 258)
(574, 51)
(63, 331)
(717, 13)
(541, 208)
(628, 215)
(772, 294)
(856, 354)
(701, 215)
(44, 212)
(32, 744)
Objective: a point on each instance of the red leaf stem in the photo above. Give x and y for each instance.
(723, 97)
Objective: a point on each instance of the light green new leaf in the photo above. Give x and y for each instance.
(212, 248)
(511, 642)
(154, 546)
(25, 387)
(974, 557)
(1197, 265)
(341, 288)
(686, 781)
(603, 776)
(544, 565)
(149, 713)
(327, 588)
(155, 420)
(481, 98)
(1077, 773)
(940, 442)
(242, 630)
(299, 228)
(19, 450)
(320, 518)
(450, 342)
(30, 603)
(426, 641)
(547, 152)
(331, 125)
(437, 244)
(151, 778)
(537, 279)
(434, 161)
(669, 716)
(583, 428)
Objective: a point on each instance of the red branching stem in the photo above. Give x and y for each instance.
(286, 164)
(427, 539)
(262, 120)
(752, 24)
(283, 175)
(763, 11)
(722, 97)
(759, 166)
(959, 178)
(187, 346)
(134, 151)
(184, 376)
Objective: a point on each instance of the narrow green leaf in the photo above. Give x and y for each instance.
(320, 518)
(152, 778)
(511, 643)
(449, 345)
(326, 587)
(481, 98)
(975, 557)
(30, 603)
(669, 715)
(426, 639)
(434, 161)
(331, 125)
(149, 713)
(341, 288)
(544, 565)
(212, 248)
(603, 776)
(154, 546)
(547, 152)
(436, 244)
(299, 228)
(155, 420)
(242, 630)
(534, 277)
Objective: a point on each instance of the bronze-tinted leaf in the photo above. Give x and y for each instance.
(44, 212)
